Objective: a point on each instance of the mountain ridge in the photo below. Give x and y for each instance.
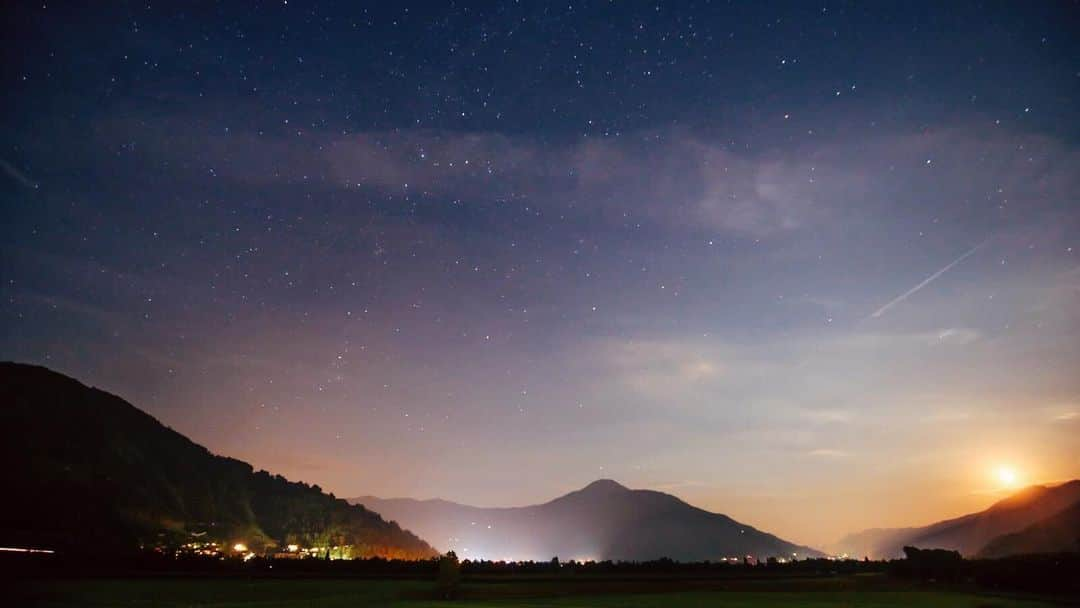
(971, 533)
(603, 520)
(141, 483)
(1059, 533)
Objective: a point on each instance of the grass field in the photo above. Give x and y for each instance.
(338, 593)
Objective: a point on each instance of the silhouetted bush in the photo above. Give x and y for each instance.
(930, 564)
(449, 581)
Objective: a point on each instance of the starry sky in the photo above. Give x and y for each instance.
(813, 265)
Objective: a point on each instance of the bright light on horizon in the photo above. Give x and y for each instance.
(1007, 476)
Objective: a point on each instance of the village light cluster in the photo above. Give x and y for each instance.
(199, 546)
(241, 549)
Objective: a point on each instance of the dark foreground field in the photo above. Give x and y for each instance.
(354, 593)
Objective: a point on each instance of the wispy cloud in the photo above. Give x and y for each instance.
(957, 335)
(827, 415)
(828, 453)
(657, 367)
(947, 415)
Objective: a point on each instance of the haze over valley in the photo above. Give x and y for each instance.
(138, 484)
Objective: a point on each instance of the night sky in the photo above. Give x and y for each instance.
(813, 265)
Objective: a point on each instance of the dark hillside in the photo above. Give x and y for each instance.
(85, 470)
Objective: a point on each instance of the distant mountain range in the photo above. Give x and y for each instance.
(602, 521)
(85, 471)
(1057, 534)
(1037, 519)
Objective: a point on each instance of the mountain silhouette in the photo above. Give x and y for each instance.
(602, 521)
(969, 534)
(1056, 534)
(85, 471)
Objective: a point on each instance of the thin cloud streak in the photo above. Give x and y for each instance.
(877, 313)
(17, 175)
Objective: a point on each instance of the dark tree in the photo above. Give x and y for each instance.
(449, 581)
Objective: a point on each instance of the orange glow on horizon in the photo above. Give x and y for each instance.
(1007, 477)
